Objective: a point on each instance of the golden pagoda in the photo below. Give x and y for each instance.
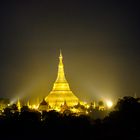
(18, 105)
(61, 92)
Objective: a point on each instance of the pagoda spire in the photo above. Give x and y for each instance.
(18, 105)
(61, 73)
(28, 104)
(61, 54)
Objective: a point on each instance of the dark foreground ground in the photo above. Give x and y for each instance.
(122, 123)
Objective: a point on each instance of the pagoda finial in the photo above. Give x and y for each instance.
(60, 54)
(28, 103)
(18, 104)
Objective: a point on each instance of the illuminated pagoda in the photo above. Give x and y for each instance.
(61, 92)
(18, 105)
(43, 106)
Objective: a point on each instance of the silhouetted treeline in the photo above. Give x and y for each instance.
(122, 123)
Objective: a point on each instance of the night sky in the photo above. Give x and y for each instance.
(100, 42)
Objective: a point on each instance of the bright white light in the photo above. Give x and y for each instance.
(109, 103)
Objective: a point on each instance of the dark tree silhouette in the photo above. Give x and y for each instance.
(125, 119)
(122, 123)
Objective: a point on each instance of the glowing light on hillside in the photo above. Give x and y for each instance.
(109, 103)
